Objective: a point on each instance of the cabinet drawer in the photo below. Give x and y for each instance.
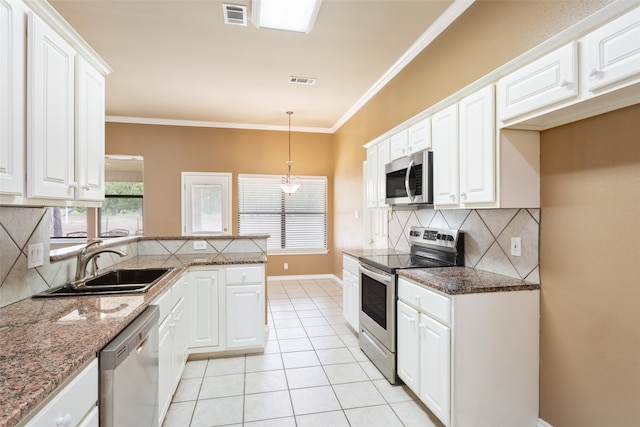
(432, 303)
(241, 275)
(73, 402)
(351, 265)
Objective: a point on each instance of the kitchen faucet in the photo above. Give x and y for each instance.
(84, 257)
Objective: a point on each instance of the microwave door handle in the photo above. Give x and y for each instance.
(406, 182)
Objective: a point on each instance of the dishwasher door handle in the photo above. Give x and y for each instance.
(142, 345)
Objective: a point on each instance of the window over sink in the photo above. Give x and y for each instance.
(296, 223)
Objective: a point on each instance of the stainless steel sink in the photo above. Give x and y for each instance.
(122, 281)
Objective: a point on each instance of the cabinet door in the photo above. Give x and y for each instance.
(12, 72)
(408, 350)
(165, 358)
(50, 113)
(371, 178)
(383, 159)
(542, 83)
(445, 156)
(245, 316)
(204, 302)
(347, 297)
(613, 52)
(181, 336)
(398, 145)
(435, 367)
(355, 302)
(178, 342)
(89, 132)
(477, 147)
(420, 136)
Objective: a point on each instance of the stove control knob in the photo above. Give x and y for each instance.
(450, 238)
(439, 236)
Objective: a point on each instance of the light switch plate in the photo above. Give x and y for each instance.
(516, 246)
(35, 255)
(199, 245)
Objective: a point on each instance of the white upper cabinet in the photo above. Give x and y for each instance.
(445, 157)
(12, 75)
(541, 83)
(398, 145)
(54, 154)
(375, 178)
(594, 74)
(477, 147)
(90, 98)
(50, 113)
(613, 52)
(420, 136)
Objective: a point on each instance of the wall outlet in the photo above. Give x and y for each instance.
(516, 246)
(35, 255)
(286, 265)
(199, 245)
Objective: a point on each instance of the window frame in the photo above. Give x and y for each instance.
(283, 213)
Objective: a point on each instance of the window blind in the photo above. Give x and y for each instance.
(295, 222)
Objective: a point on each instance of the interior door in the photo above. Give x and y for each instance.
(206, 203)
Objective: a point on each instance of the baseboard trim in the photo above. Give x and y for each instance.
(543, 423)
(307, 277)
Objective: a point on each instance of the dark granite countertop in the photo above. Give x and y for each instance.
(45, 341)
(464, 280)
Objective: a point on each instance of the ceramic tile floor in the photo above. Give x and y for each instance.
(312, 373)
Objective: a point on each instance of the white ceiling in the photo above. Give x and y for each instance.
(176, 60)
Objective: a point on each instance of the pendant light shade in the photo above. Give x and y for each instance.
(290, 184)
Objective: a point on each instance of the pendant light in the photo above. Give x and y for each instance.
(289, 184)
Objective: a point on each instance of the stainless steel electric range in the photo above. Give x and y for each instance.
(430, 247)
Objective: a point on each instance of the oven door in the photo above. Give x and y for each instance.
(377, 305)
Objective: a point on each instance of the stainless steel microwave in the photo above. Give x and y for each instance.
(409, 180)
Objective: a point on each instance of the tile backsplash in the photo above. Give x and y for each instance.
(488, 235)
(20, 227)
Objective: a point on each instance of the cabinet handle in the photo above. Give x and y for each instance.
(417, 299)
(564, 83)
(86, 187)
(64, 421)
(73, 185)
(463, 195)
(452, 197)
(593, 73)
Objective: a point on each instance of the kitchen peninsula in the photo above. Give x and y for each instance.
(46, 341)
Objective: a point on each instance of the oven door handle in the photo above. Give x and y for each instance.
(376, 276)
(406, 182)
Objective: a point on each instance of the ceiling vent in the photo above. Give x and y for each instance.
(235, 14)
(310, 81)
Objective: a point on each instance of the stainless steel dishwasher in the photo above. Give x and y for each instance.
(129, 375)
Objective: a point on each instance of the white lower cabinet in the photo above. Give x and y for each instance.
(172, 343)
(245, 294)
(351, 291)
(226, 308)
(75, 404)
(472, 358)
(204, 295)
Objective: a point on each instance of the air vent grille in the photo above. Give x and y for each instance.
(302, 80)
(235, 14)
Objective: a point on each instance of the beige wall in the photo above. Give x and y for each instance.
(488, 35)
(170, 150)
(590, 272)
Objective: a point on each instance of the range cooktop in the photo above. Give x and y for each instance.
(430, 248)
